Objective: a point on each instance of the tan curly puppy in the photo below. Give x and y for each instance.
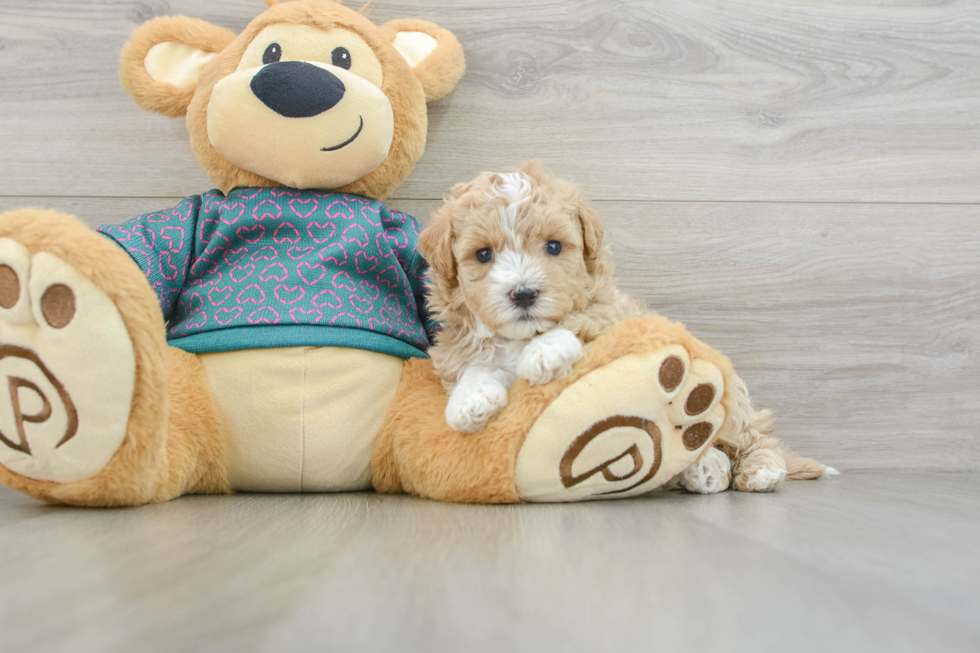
(520, 283)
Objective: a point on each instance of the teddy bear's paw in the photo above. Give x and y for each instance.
(549, 356)
(623, 429)
(710, 475)
(760, 471)
(67, 369)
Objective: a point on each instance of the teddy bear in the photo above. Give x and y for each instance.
(270, 335)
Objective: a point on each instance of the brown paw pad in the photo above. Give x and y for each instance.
(9, 286)
(671, 373)
(58, 305)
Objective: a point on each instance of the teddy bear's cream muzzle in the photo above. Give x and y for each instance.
(319, 126)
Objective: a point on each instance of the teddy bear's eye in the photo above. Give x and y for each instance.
(272, 54)
(341, 58)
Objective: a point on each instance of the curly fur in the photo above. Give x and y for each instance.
(578, 294)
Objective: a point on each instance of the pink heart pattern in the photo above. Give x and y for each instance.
(280, 256)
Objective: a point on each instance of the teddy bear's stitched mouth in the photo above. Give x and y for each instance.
(348, 141)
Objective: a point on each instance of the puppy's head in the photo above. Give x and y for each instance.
(518, 250)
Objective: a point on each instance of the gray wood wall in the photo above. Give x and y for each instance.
(797, 181)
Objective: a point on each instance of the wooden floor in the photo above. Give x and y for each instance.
(866, 562)
(797, 181)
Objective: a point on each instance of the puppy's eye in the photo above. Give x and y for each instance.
(553, 247)
(484, 255)
(272, 54)
(340, 57)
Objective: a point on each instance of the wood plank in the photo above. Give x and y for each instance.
(861, 563)
(740, 100)
(93, 211)
(858, 323)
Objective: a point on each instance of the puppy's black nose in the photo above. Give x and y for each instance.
(296, 89)
(524, 297)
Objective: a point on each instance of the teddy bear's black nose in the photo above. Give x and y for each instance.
(296, 89)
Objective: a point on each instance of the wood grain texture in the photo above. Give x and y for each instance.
(736, 100)
(828, 156)
(865, 562)
(859, 324)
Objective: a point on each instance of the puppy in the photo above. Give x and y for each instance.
(519, 282)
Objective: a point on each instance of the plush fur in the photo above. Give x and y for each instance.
(417, 452)
(154, 463)
(442, 69)
(175, 433)
(406, 89)
(170, 100)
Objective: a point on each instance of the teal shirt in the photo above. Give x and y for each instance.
(277, 267)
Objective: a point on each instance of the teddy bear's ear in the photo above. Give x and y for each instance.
(162, 61)
(434, 54)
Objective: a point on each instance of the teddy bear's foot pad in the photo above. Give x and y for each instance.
(67, 369)
(622, 429)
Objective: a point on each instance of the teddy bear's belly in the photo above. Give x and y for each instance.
(302, 419)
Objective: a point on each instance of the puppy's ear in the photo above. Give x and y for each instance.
(535, 170)
(436, 245)
(433, 54)
(162, 61)
(592, 233)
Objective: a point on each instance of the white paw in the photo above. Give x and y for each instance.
(709, 475)
(67, 368)
(549, 356)
(765, 479)
(477, 397)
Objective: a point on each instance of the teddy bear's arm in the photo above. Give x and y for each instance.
(162, 245)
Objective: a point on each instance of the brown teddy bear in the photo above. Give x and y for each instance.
(270, 335)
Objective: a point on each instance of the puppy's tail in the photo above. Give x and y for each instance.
(800, 468)
(751, 430)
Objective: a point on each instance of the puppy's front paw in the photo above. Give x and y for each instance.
(549, 356)
(473, 402)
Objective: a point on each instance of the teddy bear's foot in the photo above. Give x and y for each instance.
(624, 428)
(643, 404)
(95, 409)
(68, 366)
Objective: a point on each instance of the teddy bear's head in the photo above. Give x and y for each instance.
(311, 95)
